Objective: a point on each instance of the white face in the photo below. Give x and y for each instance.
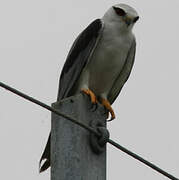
(122, 14)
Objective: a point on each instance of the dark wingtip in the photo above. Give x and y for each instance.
(45, 165)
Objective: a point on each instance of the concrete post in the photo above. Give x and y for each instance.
(71, 155)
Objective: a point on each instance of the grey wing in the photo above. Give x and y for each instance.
(78, 57)
(75, 62)
(124, 74)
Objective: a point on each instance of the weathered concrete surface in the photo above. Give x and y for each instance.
(71, 154)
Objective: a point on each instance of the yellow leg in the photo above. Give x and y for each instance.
(107, 105)
(91, 94)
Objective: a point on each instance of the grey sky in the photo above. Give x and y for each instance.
(35, 37)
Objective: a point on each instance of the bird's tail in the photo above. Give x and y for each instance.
(45, 156)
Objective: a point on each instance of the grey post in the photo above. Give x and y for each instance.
(71, 155)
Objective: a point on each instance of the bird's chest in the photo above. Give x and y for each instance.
(107, 62)
(111, 53)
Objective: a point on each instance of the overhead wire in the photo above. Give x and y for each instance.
(144, 161)
(90, 129)
(31, 99)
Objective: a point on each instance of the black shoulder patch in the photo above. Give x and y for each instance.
(78, 57)
(83, 40)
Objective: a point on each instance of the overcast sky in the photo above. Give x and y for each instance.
(35, 37)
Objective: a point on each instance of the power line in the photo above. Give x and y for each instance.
(25, 96)
(153, 166)
(89, 129)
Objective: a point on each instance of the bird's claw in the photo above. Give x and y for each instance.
(91, 94)
(107, 105)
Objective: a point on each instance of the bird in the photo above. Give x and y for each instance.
(99, 62)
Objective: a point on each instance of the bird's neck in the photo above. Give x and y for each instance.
(117, 27)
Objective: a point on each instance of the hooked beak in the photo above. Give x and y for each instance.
(130, 20)
(136, 19)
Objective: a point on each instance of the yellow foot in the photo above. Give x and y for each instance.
(91, 94)
(107, 105)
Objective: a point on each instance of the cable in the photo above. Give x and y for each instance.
(47, 107)
(142, 160)
(89, 129)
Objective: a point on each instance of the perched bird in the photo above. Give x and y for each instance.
(99, 62)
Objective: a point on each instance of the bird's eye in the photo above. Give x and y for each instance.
(119, 11)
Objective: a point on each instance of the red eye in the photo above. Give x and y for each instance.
(119, 11)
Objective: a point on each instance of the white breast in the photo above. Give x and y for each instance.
(106, 62)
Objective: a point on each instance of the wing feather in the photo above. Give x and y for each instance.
(78, 57)
(124, 74)
(75, 62)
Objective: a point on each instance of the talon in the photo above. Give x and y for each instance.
(91, 94)
(107, 105)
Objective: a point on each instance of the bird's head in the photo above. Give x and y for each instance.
(122, 14)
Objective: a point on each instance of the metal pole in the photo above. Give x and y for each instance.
(71, 155)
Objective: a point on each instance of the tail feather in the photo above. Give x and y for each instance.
(45, 166)
(45, 156)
